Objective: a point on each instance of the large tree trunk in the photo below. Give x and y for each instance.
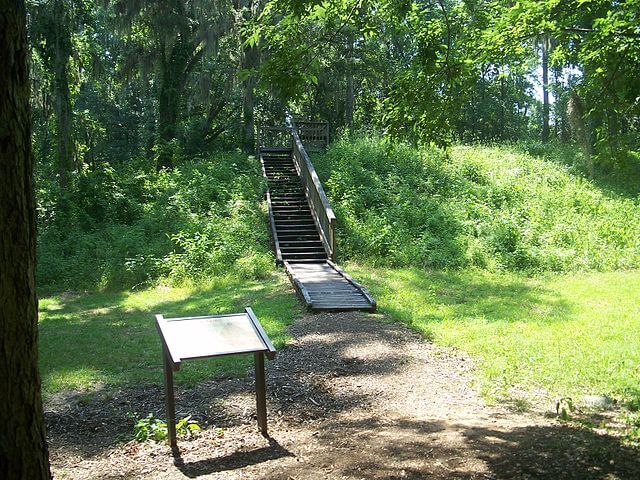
(174, 72)
(250, 61)
(545, 88)
(61, 95)
(23, 450)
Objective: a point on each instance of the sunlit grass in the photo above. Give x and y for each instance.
(564, 335)
(110, 338)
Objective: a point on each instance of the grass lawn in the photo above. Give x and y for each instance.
(557, 335)
(95, 339)
(562, 335)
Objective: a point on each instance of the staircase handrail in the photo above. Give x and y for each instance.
(320, 206)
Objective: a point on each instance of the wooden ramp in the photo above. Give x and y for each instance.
(324, 286)
(303, 228)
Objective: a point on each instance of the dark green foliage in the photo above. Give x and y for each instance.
(126, 226)
(489, 207)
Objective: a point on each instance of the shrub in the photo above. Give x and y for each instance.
(124, 227)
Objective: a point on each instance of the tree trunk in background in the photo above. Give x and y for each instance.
(174, 72)
(251, 60)
(168, 101)
(23, 450)
(250, 9)
(350, 100)
(61, 95)
(579, 130)
(545, 88)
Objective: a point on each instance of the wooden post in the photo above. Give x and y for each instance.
(170, 402)
(261, 392)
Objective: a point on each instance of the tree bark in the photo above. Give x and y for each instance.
(168, 102)
(580, 130)
(251, 59)
(23, 450)
(545, 88)
(174, 72)
(62, 95)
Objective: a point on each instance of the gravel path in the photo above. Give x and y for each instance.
(352, 397)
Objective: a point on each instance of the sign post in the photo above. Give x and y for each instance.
(189, 338)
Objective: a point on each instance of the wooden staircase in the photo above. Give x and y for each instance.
(303, 226)
(295, 229)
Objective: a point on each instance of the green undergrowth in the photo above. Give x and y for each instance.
(553, 335)
(498, 208)
(126, 226)
(109, 339)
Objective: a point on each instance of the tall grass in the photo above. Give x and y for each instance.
(493, 207)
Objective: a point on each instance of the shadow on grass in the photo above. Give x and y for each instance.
(111, 338)
(300, 386)
(302, 394)
(421, 297)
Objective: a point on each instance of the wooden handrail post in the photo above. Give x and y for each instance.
(332, 228)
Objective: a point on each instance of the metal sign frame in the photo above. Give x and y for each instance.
(172, 349)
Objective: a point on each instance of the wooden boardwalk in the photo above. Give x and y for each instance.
(303, 230)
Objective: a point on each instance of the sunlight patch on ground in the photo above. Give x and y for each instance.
(110, 338)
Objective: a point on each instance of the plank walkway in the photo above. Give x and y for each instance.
(321, 284)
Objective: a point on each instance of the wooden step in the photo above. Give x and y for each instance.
(292, 214)
(300, 243)
(295, 221)
(292, 208)
(293, 217)
(288, 237)
(294, 225)
(275, 150)
(283, 236)
(297, 255)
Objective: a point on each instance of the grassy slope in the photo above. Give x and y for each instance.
(110, 338)
(485, 213)
(563, 335)
(496, 208)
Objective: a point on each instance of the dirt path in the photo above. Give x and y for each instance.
(351, 398)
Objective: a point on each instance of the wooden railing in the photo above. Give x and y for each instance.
(289, 138)
(314, 135)
(320, 207)
(274, 137)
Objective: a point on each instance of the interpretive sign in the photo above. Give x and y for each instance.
(188, 338)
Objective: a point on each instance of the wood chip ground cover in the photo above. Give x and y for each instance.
(352, 397)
